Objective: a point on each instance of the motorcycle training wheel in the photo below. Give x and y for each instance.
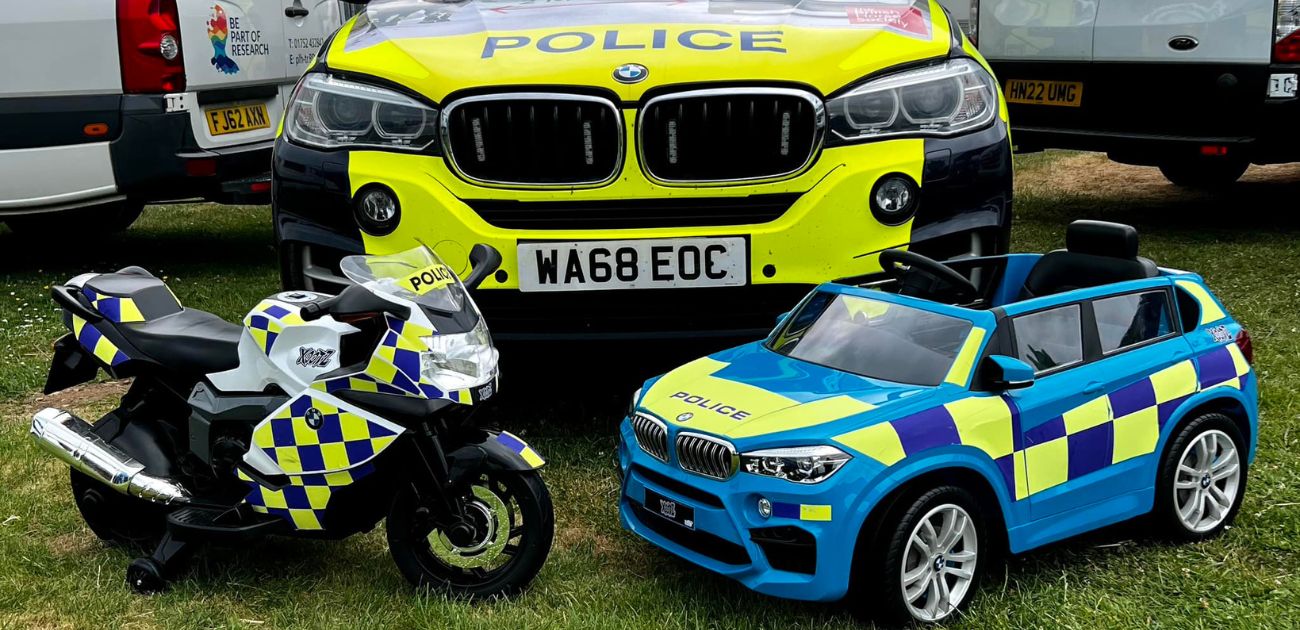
(514, 526)
(115, 517)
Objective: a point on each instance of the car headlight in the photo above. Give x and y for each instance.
(952, 97)
(800, 464)
(636, 398)
(329, 112)
(459, 361)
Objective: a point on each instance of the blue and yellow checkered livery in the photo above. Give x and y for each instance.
(394, 368)
(96, 343)
(1106, 430)
(322, 446)
(268, 319)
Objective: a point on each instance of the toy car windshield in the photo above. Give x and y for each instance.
(872, 338)
(417, 275)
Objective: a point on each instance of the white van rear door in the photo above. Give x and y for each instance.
(1202, 31)
(1039, 30)
(306, 25)
(235, 61)
(230, 43)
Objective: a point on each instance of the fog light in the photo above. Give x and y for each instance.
(764, 507)
(377, 210)
(894, 199)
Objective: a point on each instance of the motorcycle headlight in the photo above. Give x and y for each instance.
(459, 361)
(330, 113)
(953, 97)
(800, 464)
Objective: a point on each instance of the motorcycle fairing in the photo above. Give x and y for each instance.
(395, 367)
(267, 320)
(322, 444)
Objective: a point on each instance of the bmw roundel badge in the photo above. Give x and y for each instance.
(686, 416)
(314, 418)
(631, 73)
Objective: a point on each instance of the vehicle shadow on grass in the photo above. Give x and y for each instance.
(1052, 192)
(167, 239)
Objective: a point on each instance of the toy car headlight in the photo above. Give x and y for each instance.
(800, 464)
(636, 398)
(949, 98)
(459, 361)
(330, 113)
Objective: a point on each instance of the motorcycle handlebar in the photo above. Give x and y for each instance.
(317, 310)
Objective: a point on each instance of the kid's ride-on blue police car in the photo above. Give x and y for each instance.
(882, 443)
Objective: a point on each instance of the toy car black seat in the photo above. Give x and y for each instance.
(130, 295)
(1096, 253)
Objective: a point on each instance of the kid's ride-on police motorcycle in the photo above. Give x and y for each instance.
(319, 417)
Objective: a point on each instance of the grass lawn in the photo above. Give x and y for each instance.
(55, 573)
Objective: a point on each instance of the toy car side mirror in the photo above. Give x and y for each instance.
(484, 260)
(1003, 373)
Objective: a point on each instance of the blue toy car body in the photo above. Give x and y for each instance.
(915, 393)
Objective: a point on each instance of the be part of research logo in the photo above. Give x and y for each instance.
(219, 33)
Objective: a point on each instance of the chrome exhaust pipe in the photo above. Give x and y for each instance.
(71, 439)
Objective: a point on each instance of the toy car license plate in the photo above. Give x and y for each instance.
(1283, 85)
(224, 120)
(633, 264)
(674, 511)
(1060, 93)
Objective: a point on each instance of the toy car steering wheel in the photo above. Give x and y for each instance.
(921, 276)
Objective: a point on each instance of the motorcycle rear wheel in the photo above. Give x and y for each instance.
(515, 525)
(115, 517)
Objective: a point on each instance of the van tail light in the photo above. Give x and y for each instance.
(1246, 346)
(1286, 33)
(149, 46)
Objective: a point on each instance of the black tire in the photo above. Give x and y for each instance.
(1166, 515)
(145, 577)
(878, 592)
(1203, 173)
(117, 518)
(82, 222)
(531, 519)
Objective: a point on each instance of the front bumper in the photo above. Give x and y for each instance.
(818, 227)
(793, 554)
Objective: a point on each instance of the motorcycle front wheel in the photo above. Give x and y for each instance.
(514, 524)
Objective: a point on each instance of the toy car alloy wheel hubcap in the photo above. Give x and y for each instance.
(1205, 485)
(939, 562)
(492, 517)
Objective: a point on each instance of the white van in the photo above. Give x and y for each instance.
(1200, 88)
(106, 105)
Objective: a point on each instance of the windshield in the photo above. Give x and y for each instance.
(872, 338)
(418, 275)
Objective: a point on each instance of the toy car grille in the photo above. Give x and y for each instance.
(730, 135)
(651, 436)
(705, 456)
(534, 139)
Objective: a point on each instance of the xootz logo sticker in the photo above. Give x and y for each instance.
(231, 38)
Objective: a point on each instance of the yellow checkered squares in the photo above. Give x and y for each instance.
(1048, 465)
(985, 423)
(1136, 434)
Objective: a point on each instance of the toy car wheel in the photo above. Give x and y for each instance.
(115, 517)
(1202, 479)
(513, 523)
(145, 576)
(927, 559)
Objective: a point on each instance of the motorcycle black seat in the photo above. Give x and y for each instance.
(189, 341)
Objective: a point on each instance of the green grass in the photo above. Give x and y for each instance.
(54, 573)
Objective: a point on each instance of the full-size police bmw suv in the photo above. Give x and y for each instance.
(646, 167)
